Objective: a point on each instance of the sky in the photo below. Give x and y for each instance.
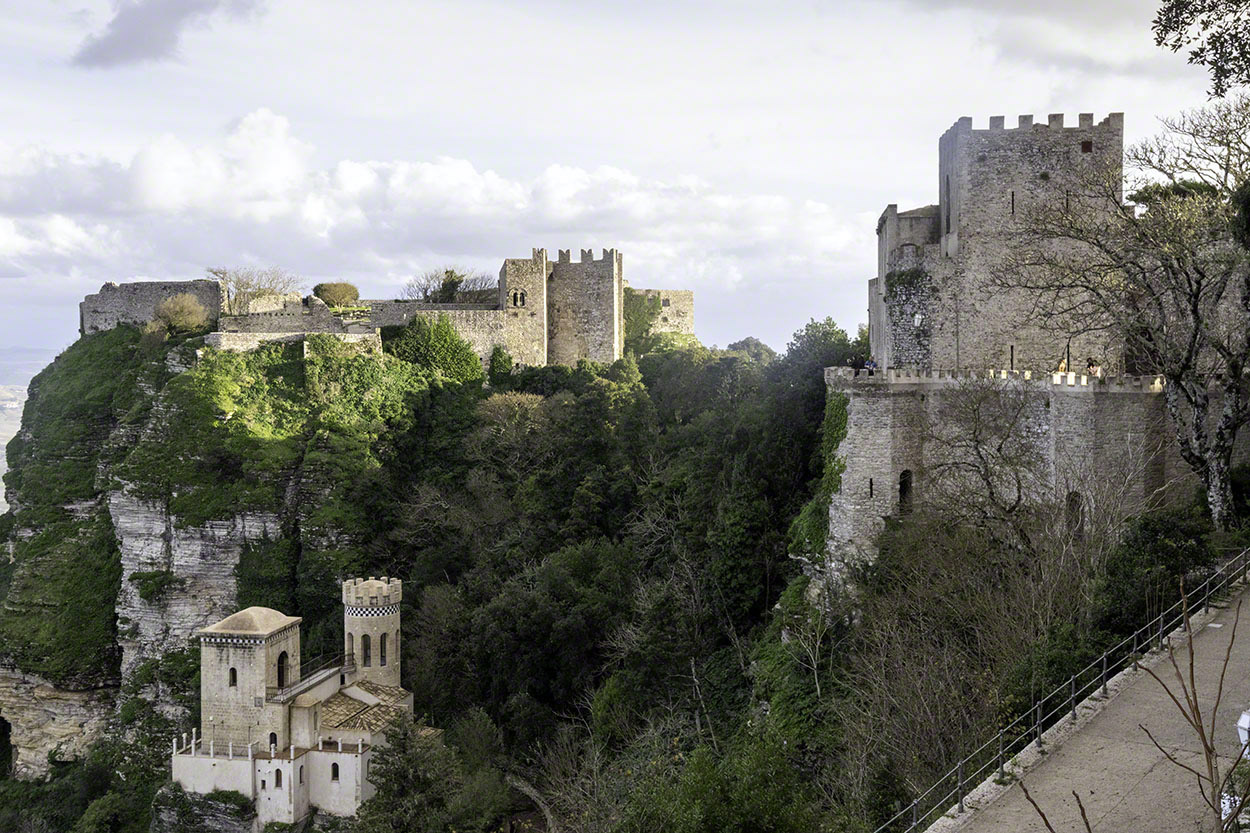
(740, 149)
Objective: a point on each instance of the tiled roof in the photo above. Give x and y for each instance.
(388, 694)
(372, 719)
(339, 708)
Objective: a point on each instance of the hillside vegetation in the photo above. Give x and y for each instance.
(604, 594)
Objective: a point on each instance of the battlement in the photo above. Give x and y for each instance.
(1054, 121)
(587, 256)
(844, 376)
(372, 592)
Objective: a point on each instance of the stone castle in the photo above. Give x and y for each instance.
(938, 324)
(294, 739)
(546, 311)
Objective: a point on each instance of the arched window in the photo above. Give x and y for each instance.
(234, 678)
(334, 772)
(518, 297)
(283, 662)
(277, 779)
(273, 739)
(301, 774)
(396, 648)
(1074, 511)
(351, 645)
(365, 658)
(382, 650)
(904, 492)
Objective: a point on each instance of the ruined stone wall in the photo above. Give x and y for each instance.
(585, 308)
(676, 310)
(135, 303)
(301, 315)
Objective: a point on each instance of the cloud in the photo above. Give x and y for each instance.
(69, 222)
(150, 30)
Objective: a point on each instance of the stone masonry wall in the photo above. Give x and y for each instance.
(584, 308)
(676, 310)
(989, 181)
(135, 303)
(1091, 435)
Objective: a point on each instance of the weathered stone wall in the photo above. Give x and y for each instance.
(1092, 436)
(135, 303)
(302, 315)
(676, 310)
(988, 181)
(585, 308)
(523, 284)
(243, 342)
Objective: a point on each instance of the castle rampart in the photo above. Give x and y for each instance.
(135, 303)
(546, 311)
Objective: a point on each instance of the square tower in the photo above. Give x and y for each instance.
(585, 308)
(523, 299)
(245, 659)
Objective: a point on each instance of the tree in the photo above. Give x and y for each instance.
(450, 285)
(181, 313)
(242, 284)
(756, 349)
(1217, 33)
(337, 294)
(1161, 272)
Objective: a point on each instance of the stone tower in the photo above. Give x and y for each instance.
(523, 299)
(371, 628)
(935, 303)
(246, 660)
(585, 308)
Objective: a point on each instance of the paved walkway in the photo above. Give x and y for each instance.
(1126, 784)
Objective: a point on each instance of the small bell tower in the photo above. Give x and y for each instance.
(371, 628)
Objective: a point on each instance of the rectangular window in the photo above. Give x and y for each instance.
(665, 302)
(1087, 147)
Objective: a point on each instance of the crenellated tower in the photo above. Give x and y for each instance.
(371, 628)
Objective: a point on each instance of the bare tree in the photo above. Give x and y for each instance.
(242, 284)
(451, 284)
(1161, 273)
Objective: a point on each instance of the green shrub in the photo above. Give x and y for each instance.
(337, 294)
(434, 344)
(181, 313)
(500, 374)
(152, 584)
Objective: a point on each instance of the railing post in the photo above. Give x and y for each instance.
(1002, 773)
(914, 819)
(960, 776)
(1037, 720)
(1072, 695)
(1135, 650)
(1160, 631)
(1104, 675)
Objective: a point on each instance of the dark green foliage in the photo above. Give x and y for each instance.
(152, 584)
(337, 294)
(434, 345)
(1157, 192)
(810, 530)
(500, 373)
(1241, 217)
(1214, 32)
(754, 349)
(904, 281)
(423, 784)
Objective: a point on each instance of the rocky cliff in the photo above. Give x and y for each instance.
(157, 487)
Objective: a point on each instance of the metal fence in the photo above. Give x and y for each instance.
(992, 756)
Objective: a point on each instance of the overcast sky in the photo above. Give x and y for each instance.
(740, 149)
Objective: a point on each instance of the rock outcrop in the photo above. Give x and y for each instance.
(49, 721)
(177, 811)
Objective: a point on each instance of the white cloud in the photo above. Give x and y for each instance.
(257, 196)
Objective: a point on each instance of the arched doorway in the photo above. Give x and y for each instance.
(283, 670)
(904, 492)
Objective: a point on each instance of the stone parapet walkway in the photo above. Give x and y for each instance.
(1126, 783)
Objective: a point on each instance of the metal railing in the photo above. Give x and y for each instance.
(953, 787)
(307, 672)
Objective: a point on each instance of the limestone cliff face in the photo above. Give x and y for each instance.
(176, 811)
(187, 574)
(49, 720)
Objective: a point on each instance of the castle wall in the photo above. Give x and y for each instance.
(676, 310)
(135, 303)
(307, 315)
(585, 304)
(202, 774)
(523, 286)
(233, 711)
(1109, 440)
(243, 342)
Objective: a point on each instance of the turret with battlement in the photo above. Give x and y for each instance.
(371, 628)
(933, 303)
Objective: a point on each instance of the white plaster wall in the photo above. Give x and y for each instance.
(204, 774)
